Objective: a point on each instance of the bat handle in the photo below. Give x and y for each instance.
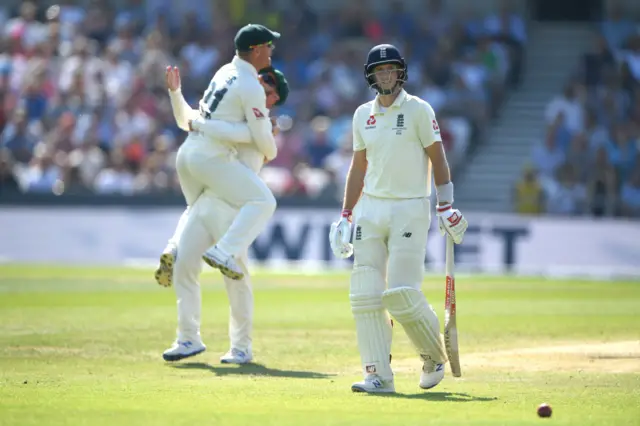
(449, 256)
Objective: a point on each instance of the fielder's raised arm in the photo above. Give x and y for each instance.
(182, 112)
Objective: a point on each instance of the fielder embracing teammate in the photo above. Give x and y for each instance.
(394, 137)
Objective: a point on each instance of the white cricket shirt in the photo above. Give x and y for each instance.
(395, 139)
(235, 95)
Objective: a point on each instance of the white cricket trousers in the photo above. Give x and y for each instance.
(389, 243)
(200, 165)
(390, 237)
(200, 226)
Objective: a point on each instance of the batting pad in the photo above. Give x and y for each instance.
(373, 326)
(409, 307)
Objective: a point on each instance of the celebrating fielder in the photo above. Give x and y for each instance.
(396, 139)
(211, 215)
(234, 95)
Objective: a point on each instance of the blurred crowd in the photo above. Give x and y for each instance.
(588, 162)
(83, 105)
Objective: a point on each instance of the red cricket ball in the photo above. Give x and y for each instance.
(544, 410)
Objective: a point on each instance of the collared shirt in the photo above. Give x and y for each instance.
(395, 139)
(235, 95)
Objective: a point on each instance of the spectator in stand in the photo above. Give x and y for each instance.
(630, 196)
(548, 156)
(571, 105)
(617, 28)
(602, 186)
(597, 63)
(527, 194)
(566, 196)
(8, 181)
(18, 137)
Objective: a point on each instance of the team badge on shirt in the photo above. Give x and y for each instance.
(399, 124)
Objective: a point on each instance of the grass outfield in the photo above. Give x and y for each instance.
(83, 346)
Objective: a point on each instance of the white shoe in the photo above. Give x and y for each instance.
(182, 350)
(164, 273)
(374, 384)
(236, 356)
(431, 375)
(218, 259)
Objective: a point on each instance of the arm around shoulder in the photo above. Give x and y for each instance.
(257, 115)
(225, 130)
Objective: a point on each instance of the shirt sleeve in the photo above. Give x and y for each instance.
(182, 111)
(225, 130)
(358, 143)
(254, 102)
(428, 128)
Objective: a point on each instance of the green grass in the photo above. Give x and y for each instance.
(82, 346)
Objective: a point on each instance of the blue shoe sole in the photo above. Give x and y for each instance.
(224, 361)
(178, 357)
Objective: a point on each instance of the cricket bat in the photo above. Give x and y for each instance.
(450, 328)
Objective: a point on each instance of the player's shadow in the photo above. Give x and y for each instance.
(439, 396)
(252, 369)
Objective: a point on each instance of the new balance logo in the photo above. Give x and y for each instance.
(370, 369)
(358, 233)
(407, 234)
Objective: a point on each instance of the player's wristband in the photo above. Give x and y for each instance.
(346, 213)
(443, 208)
(445, 193)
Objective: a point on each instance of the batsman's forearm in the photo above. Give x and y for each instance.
(441, 172)
(442, 178)
(353, 188)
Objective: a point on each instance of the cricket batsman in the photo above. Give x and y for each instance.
(210, 162)
(204, 223)
(396, 141)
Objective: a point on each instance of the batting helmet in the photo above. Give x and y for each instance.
(380, 55)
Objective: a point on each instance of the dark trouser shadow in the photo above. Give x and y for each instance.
(439, 396)
(251, 370)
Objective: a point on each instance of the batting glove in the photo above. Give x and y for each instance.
(451, 222)
(340, 236)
